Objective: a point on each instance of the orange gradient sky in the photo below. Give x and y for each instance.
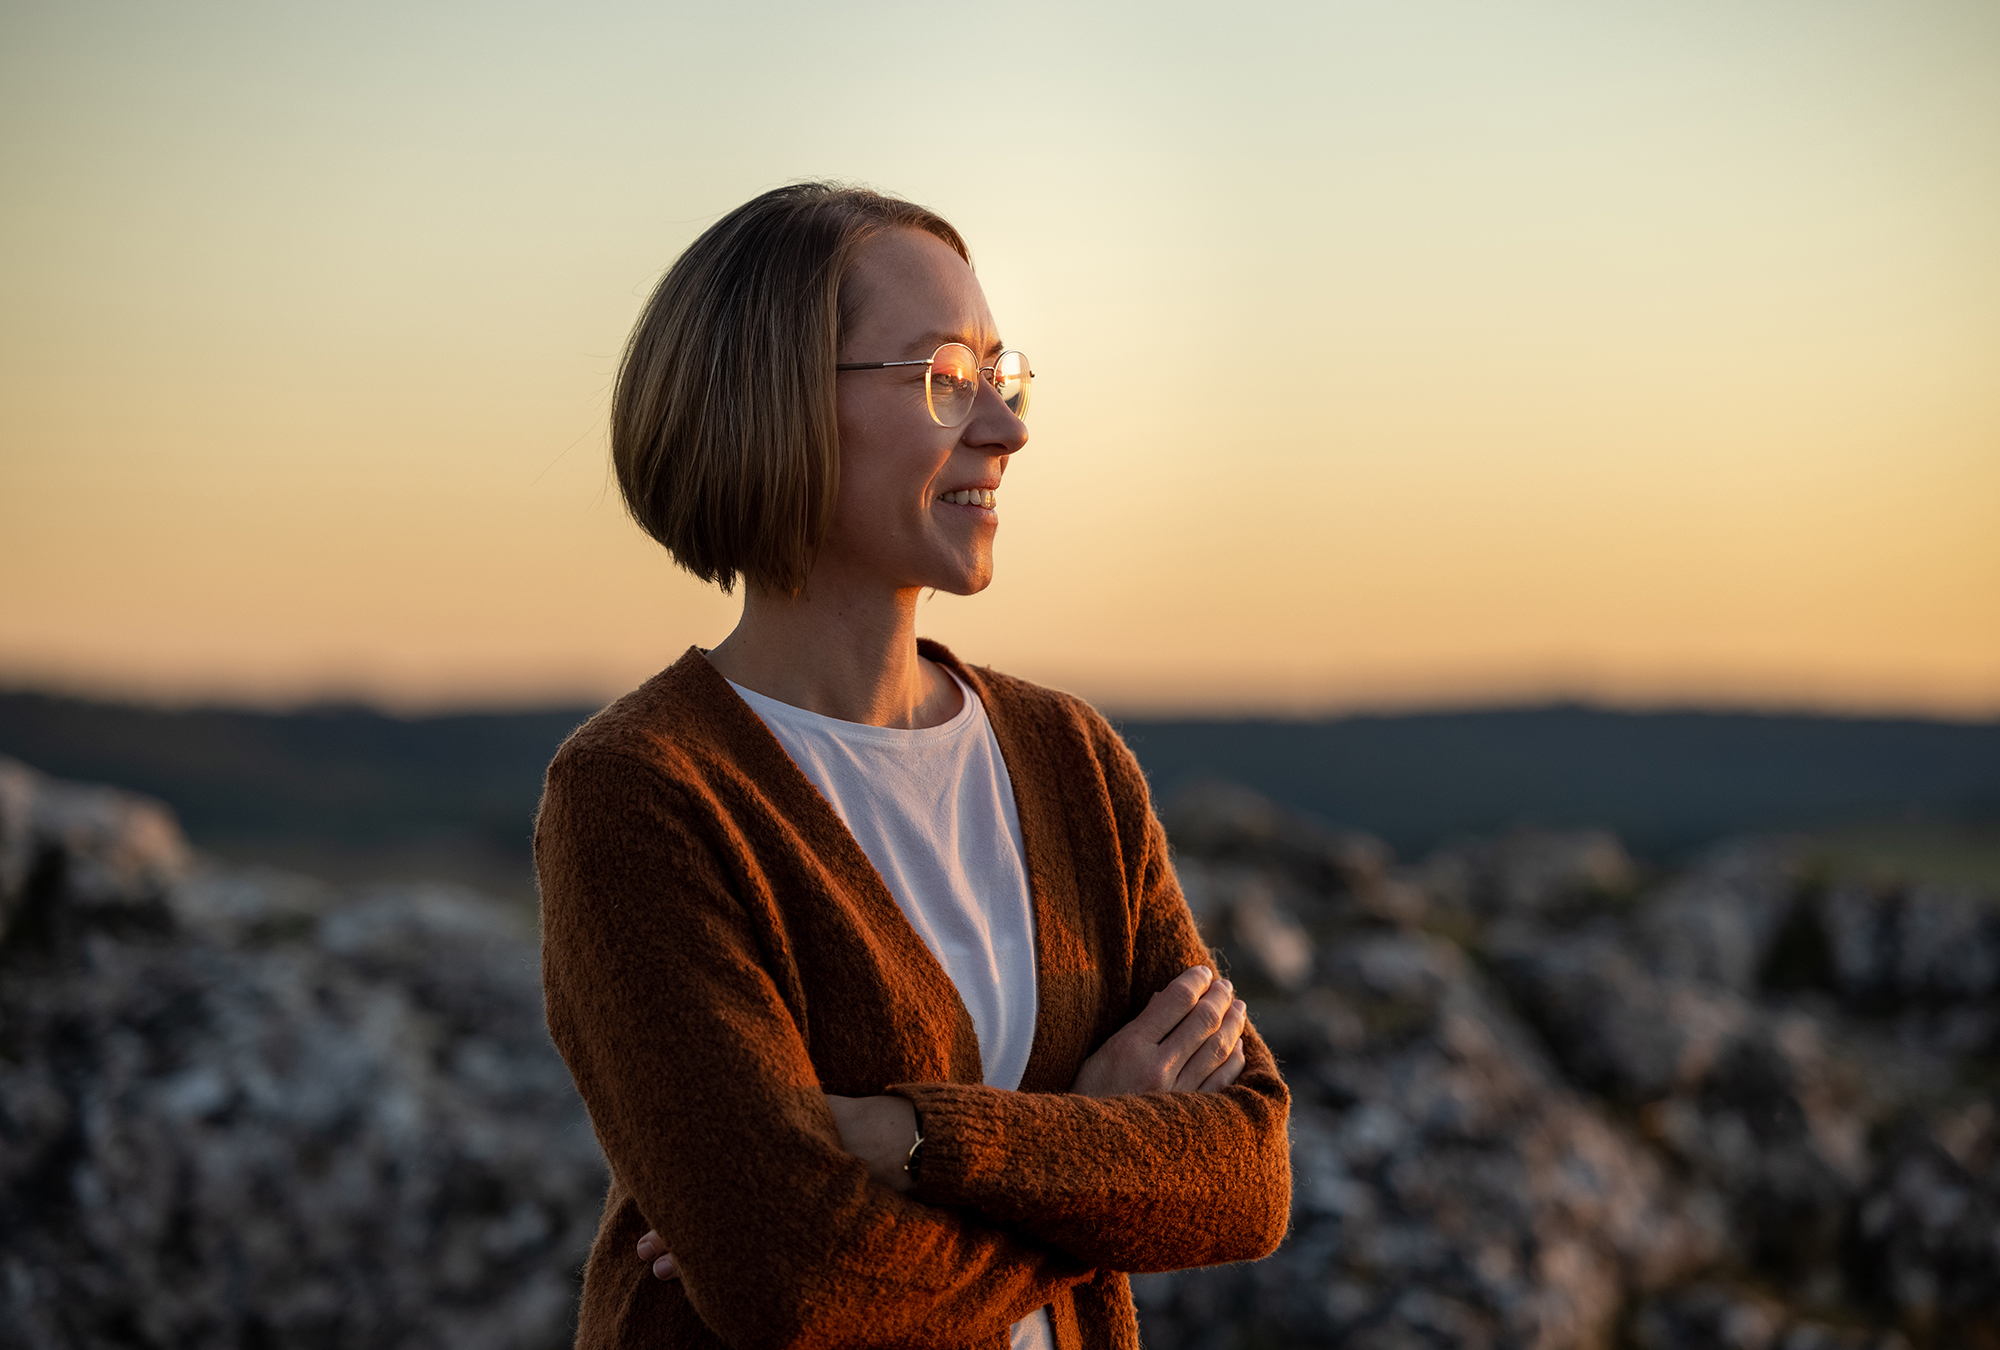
(1391, 354)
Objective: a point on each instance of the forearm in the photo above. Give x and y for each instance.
(1154, 1181)
(1159, 1181)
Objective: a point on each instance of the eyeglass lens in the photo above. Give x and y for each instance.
(1011, 377)
(954, 383)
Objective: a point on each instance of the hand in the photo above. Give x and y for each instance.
(1188, 1039)
(653, 1248)
(877, 1130)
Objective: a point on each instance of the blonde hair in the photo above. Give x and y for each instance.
(723, 427)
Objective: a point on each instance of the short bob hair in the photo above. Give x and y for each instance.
(723, 426)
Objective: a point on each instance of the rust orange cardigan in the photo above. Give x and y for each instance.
(718, 954)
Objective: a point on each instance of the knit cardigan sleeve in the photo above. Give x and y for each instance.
(683, 1043)
(1147, 1182)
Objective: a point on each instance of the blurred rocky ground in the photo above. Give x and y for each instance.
(1545, 1097)
(243, 1108)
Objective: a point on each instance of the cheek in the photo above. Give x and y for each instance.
(884, 490)
(860, 460)
(888, 468)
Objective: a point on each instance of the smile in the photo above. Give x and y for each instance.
(970, 497)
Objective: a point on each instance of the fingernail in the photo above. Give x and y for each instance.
(1237, 1006)
(1206, 973)
(664, 1268)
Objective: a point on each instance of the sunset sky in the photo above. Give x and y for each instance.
(1433, 352)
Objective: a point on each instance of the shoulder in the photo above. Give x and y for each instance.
(671, 789)
(681, 737)
(683, 721)
(666, 711)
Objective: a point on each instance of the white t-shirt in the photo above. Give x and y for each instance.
(933, 809)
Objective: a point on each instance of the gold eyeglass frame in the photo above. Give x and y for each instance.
(987, 373)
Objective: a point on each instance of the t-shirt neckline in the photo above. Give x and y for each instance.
(765, 705)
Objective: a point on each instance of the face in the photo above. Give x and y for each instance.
(893, 521)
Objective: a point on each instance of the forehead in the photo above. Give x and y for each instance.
(913, 290)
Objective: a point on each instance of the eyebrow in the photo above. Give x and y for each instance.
(930, 342)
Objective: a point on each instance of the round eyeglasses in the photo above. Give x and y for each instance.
(953, 382)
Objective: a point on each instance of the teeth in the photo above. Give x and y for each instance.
(971, 497)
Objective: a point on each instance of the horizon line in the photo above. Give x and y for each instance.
(1117, 711)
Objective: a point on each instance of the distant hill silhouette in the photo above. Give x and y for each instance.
(345, 792)
(459, 791)
(1666, 782)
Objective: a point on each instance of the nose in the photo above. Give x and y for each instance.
(993, 426)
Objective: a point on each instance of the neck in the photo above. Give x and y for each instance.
(838, 651)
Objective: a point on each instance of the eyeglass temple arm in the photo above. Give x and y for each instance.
(884, 365)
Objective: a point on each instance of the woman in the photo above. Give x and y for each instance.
(871, 966)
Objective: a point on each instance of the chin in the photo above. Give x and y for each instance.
(970, 581)
(959, 572)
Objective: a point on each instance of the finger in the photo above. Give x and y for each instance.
(1209, 1056)
(1226, 1076)
(652, 1246)
(1212, 1053)
(1167, 1008)
(1203, 1021)
(666, 1268)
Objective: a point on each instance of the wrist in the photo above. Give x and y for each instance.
(913, 1162)
(895, 1136)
